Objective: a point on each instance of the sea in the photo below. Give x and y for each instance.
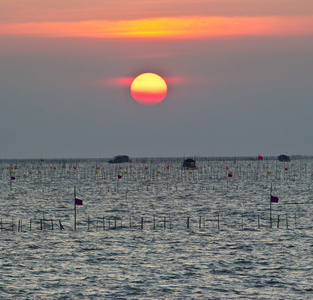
(150, 229)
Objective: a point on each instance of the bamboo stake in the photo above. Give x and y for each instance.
(75, 208)
(271, 207)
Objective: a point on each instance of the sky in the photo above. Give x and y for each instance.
(238, 72)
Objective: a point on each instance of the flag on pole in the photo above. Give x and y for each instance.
(260, 157)
(119, 176)
(274, 199)
(12, 178)
(230, 175)
(78, 202)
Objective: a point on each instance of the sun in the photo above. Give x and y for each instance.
(148, 89)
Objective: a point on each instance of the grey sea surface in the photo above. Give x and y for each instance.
(150, 230)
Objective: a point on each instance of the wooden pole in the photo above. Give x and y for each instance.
(74, 207)
(242, 221)
(271, 207)
(278, 221)
(61, 226)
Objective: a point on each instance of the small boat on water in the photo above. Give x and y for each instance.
(189, 163)
(119, 159)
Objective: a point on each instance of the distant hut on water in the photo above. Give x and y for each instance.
(283, 157)
(119, 159)
(189, 163)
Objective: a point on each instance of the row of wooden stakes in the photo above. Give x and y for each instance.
(109, 223)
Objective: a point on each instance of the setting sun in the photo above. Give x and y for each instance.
(148, 89)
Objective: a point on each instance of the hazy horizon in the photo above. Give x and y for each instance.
(239, 76)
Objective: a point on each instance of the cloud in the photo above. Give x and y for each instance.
(127, 81)
(81, 10)
(174, 27)
(118, 81)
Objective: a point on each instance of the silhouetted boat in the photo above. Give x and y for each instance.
(120, 159)
(283, 157)
(189, 163)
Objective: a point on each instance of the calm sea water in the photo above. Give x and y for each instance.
(156, 232)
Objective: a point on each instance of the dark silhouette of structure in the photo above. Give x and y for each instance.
(119, 159)
(283, 157)
(189, 163)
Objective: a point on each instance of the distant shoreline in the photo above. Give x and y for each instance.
(160, 159)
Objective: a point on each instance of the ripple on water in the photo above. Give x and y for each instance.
(207, 262)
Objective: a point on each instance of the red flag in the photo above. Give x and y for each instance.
(260, 157)
(78, 201)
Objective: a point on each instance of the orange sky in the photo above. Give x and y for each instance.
(175, 27)
(19, 11)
